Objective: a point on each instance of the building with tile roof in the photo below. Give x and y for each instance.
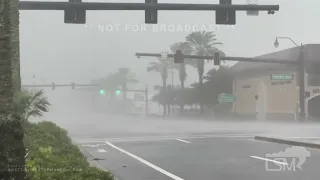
(270, 90)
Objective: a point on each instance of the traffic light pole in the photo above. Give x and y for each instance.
(299, 64)
(44, 5)
(59, 85)
(147, 100)
(301, 70)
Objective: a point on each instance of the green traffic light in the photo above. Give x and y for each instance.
(101, 91)
(118, 92)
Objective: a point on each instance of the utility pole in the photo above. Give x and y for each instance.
(172, 73)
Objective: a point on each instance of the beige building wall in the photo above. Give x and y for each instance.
(246, 89)
(282, 96)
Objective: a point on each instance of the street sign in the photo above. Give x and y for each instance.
(281, 77)
(164, 55)
(226, 17)
(250, 12)
(226, 98)
(73, 15)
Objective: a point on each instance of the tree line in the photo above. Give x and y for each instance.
(205, 91)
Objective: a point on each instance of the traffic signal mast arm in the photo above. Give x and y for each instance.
(222, 58)
(42, 5)
(59, 85)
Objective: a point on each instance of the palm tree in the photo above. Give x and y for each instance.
(12, 150)
(162, 68)
(202, 43)
(30, 104)
(185, 48)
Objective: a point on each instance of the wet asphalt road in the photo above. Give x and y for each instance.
(156, 149)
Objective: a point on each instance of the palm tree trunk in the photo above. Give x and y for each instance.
(16, 50)
(201, 94)
(12, 150)
(169, 108)
(181, 97)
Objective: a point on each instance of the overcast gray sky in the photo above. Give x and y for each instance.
(63, 53)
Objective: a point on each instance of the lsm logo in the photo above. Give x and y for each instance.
(289, 160)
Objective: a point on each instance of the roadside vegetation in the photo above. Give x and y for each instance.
(50, 153)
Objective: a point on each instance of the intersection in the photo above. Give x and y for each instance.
(184, 151)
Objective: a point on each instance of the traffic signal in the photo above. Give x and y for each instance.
(118, 92)
(75, 15)
(73, 85)
(178, 57)
(226, 17)
(151, 16)
(101, 91)
(216, 58)
(53, 86)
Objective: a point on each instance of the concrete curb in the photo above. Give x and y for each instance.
(288, 142)
(94, 163)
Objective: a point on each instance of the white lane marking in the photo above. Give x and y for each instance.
(183, 141)
(270, 160)
(146, 162)
(91, 145)
(161, 138)
(102, 150)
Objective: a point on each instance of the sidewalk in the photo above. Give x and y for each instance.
(308, 142)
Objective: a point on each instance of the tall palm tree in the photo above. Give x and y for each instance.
(162, 68)
(12, 150)
(202, 43)
(185, 48)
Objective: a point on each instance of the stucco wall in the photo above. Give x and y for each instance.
(282, 96)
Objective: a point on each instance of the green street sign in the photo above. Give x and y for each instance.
(281, 77)
(226, 98)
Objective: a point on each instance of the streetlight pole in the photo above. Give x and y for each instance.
(301, 72)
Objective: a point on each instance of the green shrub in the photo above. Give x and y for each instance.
(53, 156)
